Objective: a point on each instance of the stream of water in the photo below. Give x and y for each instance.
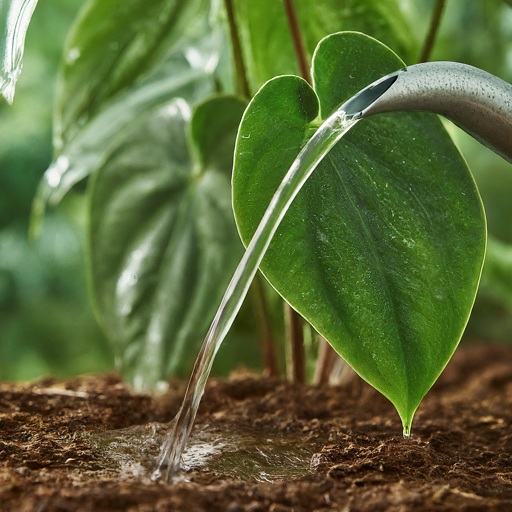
(329, 133)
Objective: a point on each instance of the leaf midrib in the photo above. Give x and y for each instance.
(378, 262)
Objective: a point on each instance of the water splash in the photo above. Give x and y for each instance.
(15, 17)
(250, 456)
(329, 133)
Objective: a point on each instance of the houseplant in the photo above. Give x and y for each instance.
(94, 146)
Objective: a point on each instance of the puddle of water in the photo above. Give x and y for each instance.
(133, 452)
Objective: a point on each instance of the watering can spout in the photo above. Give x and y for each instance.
(476, 101)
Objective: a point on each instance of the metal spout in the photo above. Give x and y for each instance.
(476, 101)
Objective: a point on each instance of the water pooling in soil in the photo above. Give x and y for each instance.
(255, 456)
(329, 133)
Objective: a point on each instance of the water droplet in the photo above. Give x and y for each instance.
(55, 172)
(407, 431)
(72, 56)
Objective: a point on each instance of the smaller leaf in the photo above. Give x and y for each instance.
(163, 239)
(15, 17)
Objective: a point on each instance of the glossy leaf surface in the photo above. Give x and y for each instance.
(113, 44)
(163, 238)
(382, 249)
(268, 45)
(93, 143)
(115, 75)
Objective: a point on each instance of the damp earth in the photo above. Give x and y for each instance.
(89, 444)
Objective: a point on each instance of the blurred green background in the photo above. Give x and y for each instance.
(46, 322)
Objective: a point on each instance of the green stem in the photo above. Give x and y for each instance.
(432, 33)
(242, 84)
(298, 41)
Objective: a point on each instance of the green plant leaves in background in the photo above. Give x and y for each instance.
(113, 44)
(121, 62)
(95, 140)
(267, 43)
(163, 239)
(383, 248)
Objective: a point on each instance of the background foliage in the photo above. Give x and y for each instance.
(46, 322)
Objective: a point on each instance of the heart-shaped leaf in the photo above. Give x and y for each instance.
(382, 249)
(163, 238)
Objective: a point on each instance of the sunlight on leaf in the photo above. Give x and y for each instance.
(92, 144)
(113, 44)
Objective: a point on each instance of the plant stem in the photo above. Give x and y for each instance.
(298, 41)
(296, 359)
(242, 87)
(432, 33)
(324, 364)
(242, 84)
(268, 348)
(296, 356)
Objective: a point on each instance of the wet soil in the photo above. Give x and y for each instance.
(57, 451)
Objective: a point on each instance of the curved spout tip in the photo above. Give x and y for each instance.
(355, 106)
(477, 102)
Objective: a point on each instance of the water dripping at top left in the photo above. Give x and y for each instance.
(15, 17)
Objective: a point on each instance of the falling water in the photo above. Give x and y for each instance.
(15, 17)
(329, 133)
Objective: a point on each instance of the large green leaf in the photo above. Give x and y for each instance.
(112, 45)
(267, 43)
(382, 249)
(163, 238)
(94, 142)
(101, 97)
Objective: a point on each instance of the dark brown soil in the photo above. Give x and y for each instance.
(459, 458)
